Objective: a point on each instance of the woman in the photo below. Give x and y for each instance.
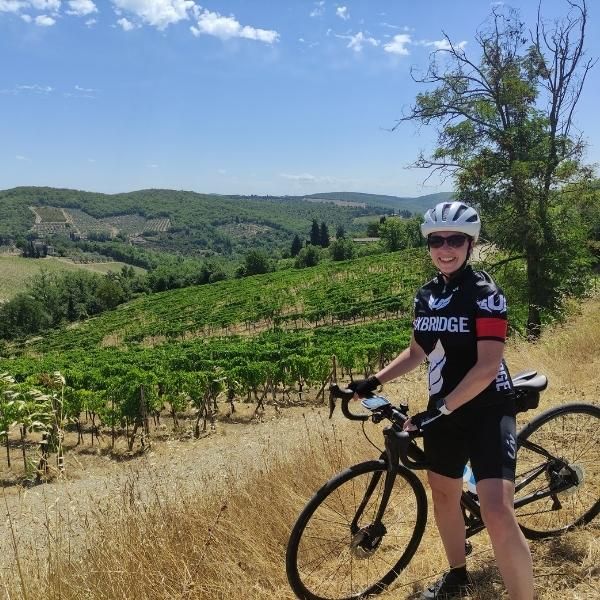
(460, 328)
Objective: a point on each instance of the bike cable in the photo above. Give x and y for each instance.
(369, 439)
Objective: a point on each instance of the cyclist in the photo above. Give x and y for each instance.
(460, 328)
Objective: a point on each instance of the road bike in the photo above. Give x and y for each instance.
(362, 528)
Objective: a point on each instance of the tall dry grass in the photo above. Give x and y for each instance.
(227, 539)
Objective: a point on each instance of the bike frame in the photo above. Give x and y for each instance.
(401, 452)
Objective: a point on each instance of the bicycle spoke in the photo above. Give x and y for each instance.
(333, 563)
(569, 434)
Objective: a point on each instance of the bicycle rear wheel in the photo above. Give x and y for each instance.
(334, 551)
(559, 450)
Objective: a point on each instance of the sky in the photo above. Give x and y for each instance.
(267, 97)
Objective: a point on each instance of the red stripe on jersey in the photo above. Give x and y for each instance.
(491, 328)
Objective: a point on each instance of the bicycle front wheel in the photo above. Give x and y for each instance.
(559, 450)
(338, 551)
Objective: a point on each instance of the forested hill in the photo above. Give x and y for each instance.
(186, 222)
(414, 205)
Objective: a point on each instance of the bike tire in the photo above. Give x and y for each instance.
(322, 561)
(570, 433)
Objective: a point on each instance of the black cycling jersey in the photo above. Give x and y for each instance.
(450, 318)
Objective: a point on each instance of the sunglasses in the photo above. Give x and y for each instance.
(454, 241)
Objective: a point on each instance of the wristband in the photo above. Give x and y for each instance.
(443, 407)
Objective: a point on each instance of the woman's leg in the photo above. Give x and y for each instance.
(446, 493)
(510, 547)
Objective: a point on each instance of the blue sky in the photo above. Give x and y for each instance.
(248, 97)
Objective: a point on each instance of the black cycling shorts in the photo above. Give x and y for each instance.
(484, 435)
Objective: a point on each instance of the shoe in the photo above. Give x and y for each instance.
(452, 584)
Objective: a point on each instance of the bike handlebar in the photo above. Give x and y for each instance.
(403, 449)
(345, 395)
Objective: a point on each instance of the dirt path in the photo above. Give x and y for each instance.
(174, 467)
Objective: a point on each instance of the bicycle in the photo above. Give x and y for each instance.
(362, 528)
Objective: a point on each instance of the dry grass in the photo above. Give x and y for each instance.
(15, 271)
(226, 539)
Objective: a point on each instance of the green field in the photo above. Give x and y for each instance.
(15, 271)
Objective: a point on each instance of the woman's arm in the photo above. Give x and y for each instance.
(406, 361)
(483, 372)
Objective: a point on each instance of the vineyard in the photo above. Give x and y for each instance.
(192, 351)
(268, 338)
(51, 220)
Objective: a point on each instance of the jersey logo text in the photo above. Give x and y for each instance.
(451, 324)
(493, 303)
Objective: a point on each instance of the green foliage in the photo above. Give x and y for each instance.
(200, 224)
(505, 123)
(309, 256)
(315, 233)
(256, 262)
(324, 235)
(398, 234)
(373, 229)
(296, 246)
(342, 249)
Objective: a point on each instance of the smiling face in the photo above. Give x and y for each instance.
(447, 258)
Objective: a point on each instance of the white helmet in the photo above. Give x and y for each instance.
(451, 216)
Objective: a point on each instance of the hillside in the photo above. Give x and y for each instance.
(15, 271)
(397, 203)
(211, 518)
(183, 222)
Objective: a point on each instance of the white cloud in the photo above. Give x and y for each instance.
(26, 18)
(52, 6)
(358, 41)
(212, 23)
(125, 24)
(222, 171)
(44, 21)
(12, 6)
(342, 12)
(444, 44)
(81, 8)
(85, 90)
(157, 13)
(308, 178)
(36, 88)
(318, 10)
(90, 22)
(21, 157)
(399, 44)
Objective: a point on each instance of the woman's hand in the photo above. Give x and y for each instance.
(409, 426)
(363, 388)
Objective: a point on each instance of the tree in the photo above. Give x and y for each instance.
(308, 257)
(340, 232)
(296, 246)
(506, 135)
(373, 229)
(342, 249)
(392, 235)
(315, 234)
(324, 235)
(397, 233)
(256, 262)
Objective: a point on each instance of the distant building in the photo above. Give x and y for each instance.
(365, 240)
